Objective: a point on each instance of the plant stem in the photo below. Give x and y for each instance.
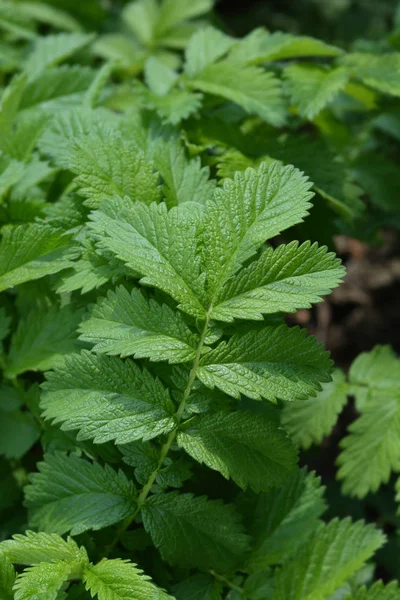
(165, 448)
(228, 583)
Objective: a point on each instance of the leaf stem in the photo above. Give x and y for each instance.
(228, 583)
(165, 448)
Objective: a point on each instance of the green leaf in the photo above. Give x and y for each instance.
(379, 71)
(371, 450)
(309, 421)
(7, 578)
(129, 324)
(283, 519)
(198, 587)
(334, 553)
(18, 432)
(141, 17)
(42, 581)
(249, 448)
(261, 46)
(5, 322)
(53, 49)
(70, 493)
(174, 107)
(44, 13)
(120, 580)
(57, 88)
(174, 12)
(107, 165)
(258, 92)
(159, 78)
(160, 245)
(312, 88)
(184, 180)
(42, 339)
(206, 46)
(107, 399)
(276, 362)
(11, 173)
(254, 206)
(378, 591)
(28, 252)
(10, 102)
(194, 531)
(379, 177)
(33, 548)
(281, 280)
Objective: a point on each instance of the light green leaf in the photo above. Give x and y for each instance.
(174, 12)
(10, 101)
(312, 88)
(194, 531)
(281, 280)
(11, 173)
(70, 493)
(206, 46)
(379, 71)
(258, 92)
(276, 362)
(42, 339)
(160, 245)
(309, 421)
(31, 251)
(374, 375)
(378, 591)
(185, 180)
(45, 13)
(284, 518)
(42, 581)
(120, 580)
(7, 578)
(249, 448)
(107, 399)
(261, 46)
(53, 49)
(107, 165)
(141, 17)
(33, 548)
(159, 78)
(334, 553)
(249, 209)
(129, 324)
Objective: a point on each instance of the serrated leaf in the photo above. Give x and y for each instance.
(159, 78)
(71, 494)
(375, 374)
(281, 280)
(312, 88)
(378, 591)
(276, 362)
(32, 548)
(129, 324)
(7, 578)
(284, 518)
(120, 580)
(174, 107)
(249, 448)
(254, 206)
(258, 92)
(107, 399)
(198, 587)
(53, 49)
(194, 531)
(160, 245)
(42, 581)
(335, 551)
(261, 46)
(184, 180)
(309, 421)
(42, 339)
(379, 71)
(57, 88)
(28, 252)
(108, 166)
(205, 47)
(174, 12)
(18, 432)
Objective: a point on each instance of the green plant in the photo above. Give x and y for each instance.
(152, 245)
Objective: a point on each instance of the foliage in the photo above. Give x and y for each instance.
(159, 184)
